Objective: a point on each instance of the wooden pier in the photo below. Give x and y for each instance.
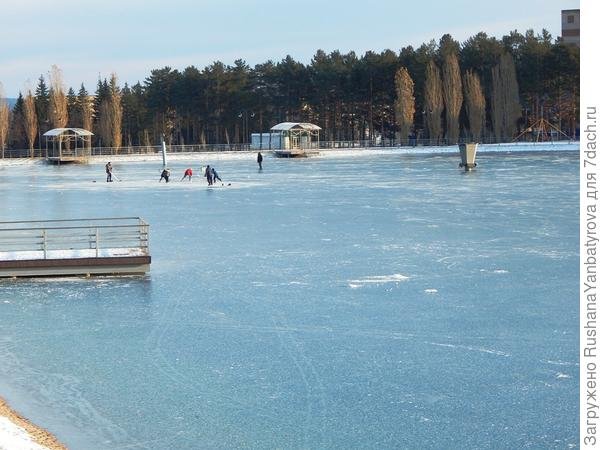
(107, 246)
(295, 153)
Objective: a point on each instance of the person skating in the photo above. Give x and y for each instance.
(259, 159)
(166, 173)
(188, 173)
(108, 168)
(215, 175)
(208, 175)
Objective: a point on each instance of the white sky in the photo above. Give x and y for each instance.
(88, 38)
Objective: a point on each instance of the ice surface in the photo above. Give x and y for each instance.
(247, 332)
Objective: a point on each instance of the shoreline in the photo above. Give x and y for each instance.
(18, 432)
(244, 155)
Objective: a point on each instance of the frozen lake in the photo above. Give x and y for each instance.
(373, 301)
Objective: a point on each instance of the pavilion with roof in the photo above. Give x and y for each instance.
(68, 145)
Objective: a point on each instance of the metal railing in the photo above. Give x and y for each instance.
(339, 144)
(74, 238)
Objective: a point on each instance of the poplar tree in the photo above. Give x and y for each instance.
(506, 109)
(453, 97)
(475, 104)
(30, 120)
(115, 112)
(405, 102)
(433, 101)
(58, 100)
(4, 120)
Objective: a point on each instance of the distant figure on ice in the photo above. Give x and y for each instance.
(166, 173)
(108, 172)
(215, 175)
(188, 173)
(259, 161)
(208, 175)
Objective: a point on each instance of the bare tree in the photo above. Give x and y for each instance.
(453, 97)
(434, 101)
(116, 112)
(4, 120)
(506, 108)
(30, 120)
(405, 102)
(59, 115)
(475, 104)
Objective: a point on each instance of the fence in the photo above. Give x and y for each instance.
(198, 148)
(75, 238)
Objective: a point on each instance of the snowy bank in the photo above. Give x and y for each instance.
(17, 433)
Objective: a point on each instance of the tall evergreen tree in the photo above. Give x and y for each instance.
(72, 111)
(85, 108)
(42, 105)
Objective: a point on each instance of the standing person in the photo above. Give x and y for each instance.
(188, 173)
(166, 173)
(208, 175)
(215, 175)
(108, 168)
(259, 161)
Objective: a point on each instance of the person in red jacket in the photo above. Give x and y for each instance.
(188, 173)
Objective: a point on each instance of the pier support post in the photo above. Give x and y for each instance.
(467, 156)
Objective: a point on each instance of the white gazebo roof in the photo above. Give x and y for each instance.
(75, 131)
(287, 126)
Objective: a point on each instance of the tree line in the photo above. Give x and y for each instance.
(482, 89)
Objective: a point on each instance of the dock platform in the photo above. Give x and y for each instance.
(106, 246)
(295, 153)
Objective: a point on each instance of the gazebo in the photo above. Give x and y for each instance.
(68, 145)
(297, 135)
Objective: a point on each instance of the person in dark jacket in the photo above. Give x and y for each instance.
(208, 175)
(166, 173)
(259, 159)
(215, 175)
(108, 168)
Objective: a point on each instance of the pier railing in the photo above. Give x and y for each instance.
(74, 238)
(339, 144)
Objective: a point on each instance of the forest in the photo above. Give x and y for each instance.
(484, 89)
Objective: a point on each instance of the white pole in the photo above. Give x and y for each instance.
(164, 152)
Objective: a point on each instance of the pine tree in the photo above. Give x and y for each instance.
(42, 104)
(72, 112)
(17, 132)
(85, 109)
